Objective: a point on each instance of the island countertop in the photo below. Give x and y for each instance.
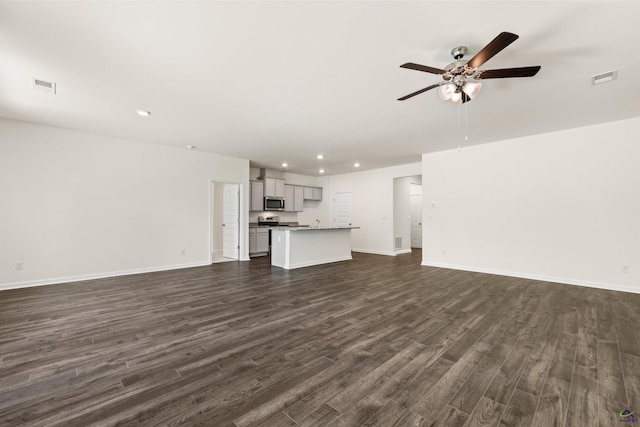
(316, 228)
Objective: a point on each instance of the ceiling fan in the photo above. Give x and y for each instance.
(457, 88)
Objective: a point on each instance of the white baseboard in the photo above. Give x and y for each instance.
(369, 251)
(402, 251)
(80, 278)
(324, 261)
(542, 278)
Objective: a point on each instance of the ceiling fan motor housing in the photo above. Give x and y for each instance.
(458, 52)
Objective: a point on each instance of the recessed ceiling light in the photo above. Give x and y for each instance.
(321, 171)
(191, 147)
(143, 113)
(284, 165)
(356, 165)
(320, 157)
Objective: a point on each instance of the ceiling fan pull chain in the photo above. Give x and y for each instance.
(466, 124)
(459, 127)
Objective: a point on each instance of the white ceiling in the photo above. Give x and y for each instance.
(283, 81)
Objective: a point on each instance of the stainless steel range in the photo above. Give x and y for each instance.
(268, 221)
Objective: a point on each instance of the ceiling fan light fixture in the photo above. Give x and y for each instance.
(456, 98)
(446, 91)
(472, 89)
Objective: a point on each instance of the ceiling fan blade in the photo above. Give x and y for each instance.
(425, 68)
(489, 51)
(418, 92)
(510, 72)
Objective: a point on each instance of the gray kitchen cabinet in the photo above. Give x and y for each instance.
(262, 240)
(289, 198)
(293, 198)
(258, 241)
(252, 241)
(308, 193)
(298, 198)
(257, 196)
(274, 187)
(313, 193)
(317, 193)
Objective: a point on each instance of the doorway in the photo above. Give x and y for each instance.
(225, 227)
(407, 207)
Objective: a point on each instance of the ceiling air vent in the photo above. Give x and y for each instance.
(43, 86)
(604, 77)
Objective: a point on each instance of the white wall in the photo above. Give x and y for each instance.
(78, 205)
(218, 219)
(562, 207)
(373, 207)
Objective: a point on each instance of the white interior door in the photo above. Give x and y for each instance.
(415, 192)
(342, 209)
(231, 221)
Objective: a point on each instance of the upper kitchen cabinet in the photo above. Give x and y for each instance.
(312, 193)
(298, 198)
(293, 198)
(257, 196)
(288, 198)
(274, 187)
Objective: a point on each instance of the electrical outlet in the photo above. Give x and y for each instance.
(444, 252)
(626, 268)
(183, 251)
(19, 265)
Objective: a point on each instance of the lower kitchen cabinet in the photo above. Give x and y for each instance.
(258, 241)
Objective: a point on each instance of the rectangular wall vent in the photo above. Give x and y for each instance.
(609, 76)
(398, 243)
(43, 86)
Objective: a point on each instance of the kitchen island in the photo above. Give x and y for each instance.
(295, 247)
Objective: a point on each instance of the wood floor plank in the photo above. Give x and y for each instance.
(358, 413)
(583, 404)
(486, 413)
(553, 402)
(631, 373)
(537, 367)
(322, 416)
(247, 344)
(410, 419)
(388, 415)
(372, 380)
(506, 379)
(587, 348)
(470, 393)
(450, 417)
(611, 392)
(447, 386)
(519, 412)
(625, 334)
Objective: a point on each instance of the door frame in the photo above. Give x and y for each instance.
(242, 217)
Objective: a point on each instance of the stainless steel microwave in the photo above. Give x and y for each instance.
(273, 203)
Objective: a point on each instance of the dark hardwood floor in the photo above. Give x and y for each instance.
(377, 341)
